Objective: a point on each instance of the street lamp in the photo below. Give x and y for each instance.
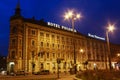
(58, 62)
(81, 51)
(110, 28)
(71, 15)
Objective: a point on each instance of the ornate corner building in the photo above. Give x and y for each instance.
(35, 45)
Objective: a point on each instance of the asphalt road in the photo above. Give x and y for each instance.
(39, 77)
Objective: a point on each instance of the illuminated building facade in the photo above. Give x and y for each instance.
(36, 45)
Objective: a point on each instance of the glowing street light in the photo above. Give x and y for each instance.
(81, 51)
(71, 15)
(110, 28)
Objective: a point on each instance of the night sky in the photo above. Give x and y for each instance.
(96, 15)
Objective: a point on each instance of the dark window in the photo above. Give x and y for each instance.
(47, 44)
(33, 54)
(41, 44)
(53, 45)
(47, 35)
(41, 65)
(53, 55)
(53, 36)
(20, 41)
(42, 55)
(33, 43)
(53, 65)
(58, 37)
(41, 34)
(47, 55)
(13, 54)
(13, 41)
(64, 66)
(14, 30)
(33, 32)
(58, 46)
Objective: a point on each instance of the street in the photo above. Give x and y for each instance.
(39, 77)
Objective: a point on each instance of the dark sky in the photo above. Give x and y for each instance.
(96, 14)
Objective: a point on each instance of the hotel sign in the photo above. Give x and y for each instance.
(60, 27)
(97, 37)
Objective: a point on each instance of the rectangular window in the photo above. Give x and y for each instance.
(41, 34)
(58, 37)
(47, 55)
(64, 66)
(19, 54)
(13, 42)
(47, 44)
(58, 54)
(42, 55)
(47, 35)
(32, 54)
(53, 36)
(20, 41)
(58, 46)
(53, 65)
(13, 54)
(53, 55)
(33, 43)
(41, 44)
(53, 45)
(33, 32)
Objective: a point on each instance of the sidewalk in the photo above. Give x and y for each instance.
(68, 77)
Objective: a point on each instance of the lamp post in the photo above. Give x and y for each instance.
(33, 64)
(70, 15)
(110, 28)
(58, 62)
(81, 51)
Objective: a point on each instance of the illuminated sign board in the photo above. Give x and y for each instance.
(97, 37)
(60, 27)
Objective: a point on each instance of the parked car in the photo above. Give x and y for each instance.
(11, 73)
(20, 73)
(43, 72)
(3, 72)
